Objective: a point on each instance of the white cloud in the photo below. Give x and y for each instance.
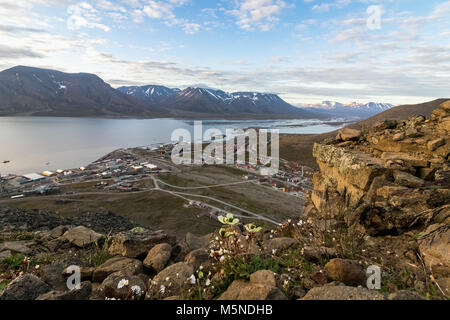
(84, 15)
(261, 14)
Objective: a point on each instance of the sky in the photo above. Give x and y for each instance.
(307, 51)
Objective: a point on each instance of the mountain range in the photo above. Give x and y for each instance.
(28, 91)
(352, 110)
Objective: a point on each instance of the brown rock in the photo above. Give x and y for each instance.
(280, 244)
(348, 134)
(137, 243)
(183, 270)
(243, 290)
(318, 253)
(346, 271)
(434, 144)
(123, 285)
(158, 257)
(445, 106)
(81, 236)
(407, 158)
(116, 264)
(319, 276)
(342, 293)
(86, 273)
(82, 293)
(264, 277)
(405, 295)
(434, 245)
(407, 180)
(198, 258)
(398, 136)
(25, 287)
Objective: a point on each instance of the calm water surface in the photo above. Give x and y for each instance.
(34, 144)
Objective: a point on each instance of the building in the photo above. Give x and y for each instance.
(32, 177)
(47, 173)
(151, 167)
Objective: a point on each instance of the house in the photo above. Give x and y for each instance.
(32, 177)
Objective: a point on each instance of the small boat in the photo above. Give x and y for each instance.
(6, 161)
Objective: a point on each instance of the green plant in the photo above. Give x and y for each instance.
(100, 254)
(243, 266)
(14, 262)
(3, 284)
(416, 236)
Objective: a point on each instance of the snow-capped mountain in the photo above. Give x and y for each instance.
(354, 110)
(207, 100)
(45, 92)
(152, 93)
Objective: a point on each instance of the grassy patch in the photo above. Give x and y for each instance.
(3, 284)
(97, 258)
(18, 236)
(15, 263)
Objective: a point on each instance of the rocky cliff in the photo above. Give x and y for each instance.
(391, 180)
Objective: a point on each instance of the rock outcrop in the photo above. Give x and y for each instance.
(391, 179)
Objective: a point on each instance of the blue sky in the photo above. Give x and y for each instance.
(307, 51)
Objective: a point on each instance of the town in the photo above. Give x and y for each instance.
(146, 169)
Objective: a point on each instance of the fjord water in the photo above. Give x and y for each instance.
(36, 144)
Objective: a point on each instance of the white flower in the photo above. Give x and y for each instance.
(178, 275)
(136, 290)
(122, 283)
(201, 267)
(208, 282)
(162, 289)
(274, 251)
(37, 266)
(289, 220)
(192, 279)
(167, 279)
(222, 259)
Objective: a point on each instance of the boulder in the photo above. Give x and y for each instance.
(319, 253)
(264, 277)
(180, 270)
(279, 244)
(434, 245)
(319, 277)
(399, 136)
(52, 274)
(197, 258)
(407, 180)
(25, 287)
(436, 143)
(386, 124)
(137, 243)
(82, 293)
(122, 285)
(405, 295)
(158, 257)
(342, 293)
(243, 290)
(85, 273)
(20, 247)
(58, 231)
(117, 264)
(346, 271)
(81, 236)
(445, 106)
(348, 134)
